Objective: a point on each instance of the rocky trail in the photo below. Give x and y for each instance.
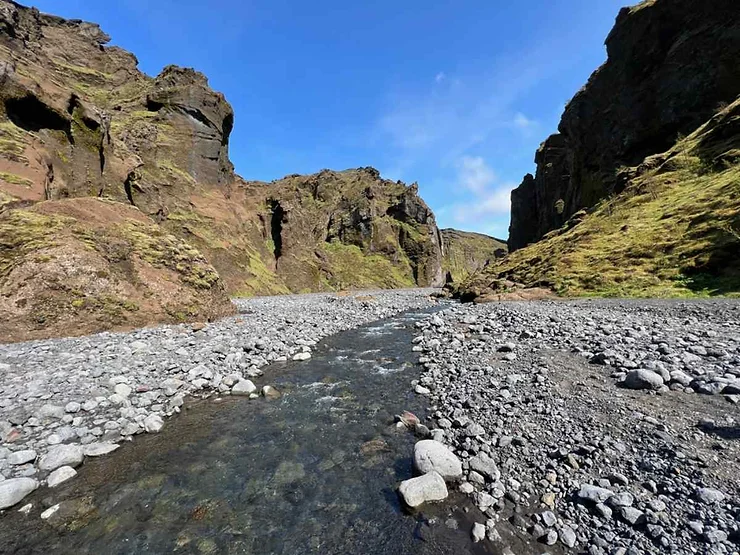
(601, 427)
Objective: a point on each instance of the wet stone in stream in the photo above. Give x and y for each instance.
(313, 471)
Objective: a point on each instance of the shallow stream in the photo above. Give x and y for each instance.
(312, 472)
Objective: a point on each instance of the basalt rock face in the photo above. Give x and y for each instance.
(671, 65)
(78, 119)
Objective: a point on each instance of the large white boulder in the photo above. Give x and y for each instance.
(62, 455)
(244, 387)
(430, 455)
(14, 490)
(60, 475)
(423, 489)
(643, 379)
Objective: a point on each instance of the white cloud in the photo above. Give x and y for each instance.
(489, 199)
(474, 174)
(434, 128)
(523, 122)
(491, 203)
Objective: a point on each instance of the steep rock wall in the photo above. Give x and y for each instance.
(78, 119)
(671, 65)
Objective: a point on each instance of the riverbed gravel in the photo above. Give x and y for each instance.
(600, 427)
(64, 400)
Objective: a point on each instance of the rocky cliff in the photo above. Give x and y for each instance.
(467, 253)
(671, 65)
(347, 229)
(79, 121)
(639, 194)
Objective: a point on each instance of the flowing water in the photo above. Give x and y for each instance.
(312, 472)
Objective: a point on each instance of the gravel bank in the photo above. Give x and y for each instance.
(64, 400)
(604, 427)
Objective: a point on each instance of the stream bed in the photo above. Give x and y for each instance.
(314, 471)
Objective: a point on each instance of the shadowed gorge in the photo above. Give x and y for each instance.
(276, 227)
(30, 114)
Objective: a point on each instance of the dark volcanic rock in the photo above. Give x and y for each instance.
(352, 228)
(188, 102)
(671, 64)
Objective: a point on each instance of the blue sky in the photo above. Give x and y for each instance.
(455, 95)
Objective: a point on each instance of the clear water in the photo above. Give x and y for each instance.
(312, 472)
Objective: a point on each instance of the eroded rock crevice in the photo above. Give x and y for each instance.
(31, 114)
(128, 187)
(276, 227)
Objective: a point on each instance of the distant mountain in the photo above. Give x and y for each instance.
(467, 253)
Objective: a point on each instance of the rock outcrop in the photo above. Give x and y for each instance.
(638, 195)
(673, 231)
(348, 229)
(79, 121)
(671, 65)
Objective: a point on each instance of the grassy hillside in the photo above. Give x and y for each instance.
(673, 231)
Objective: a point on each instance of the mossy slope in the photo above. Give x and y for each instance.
(82, 265)
(467, 253)
(673, 231)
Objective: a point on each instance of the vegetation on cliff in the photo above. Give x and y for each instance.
(671, 65)
(76, 266)
(673, 231)
(639, 192)
(78, 120)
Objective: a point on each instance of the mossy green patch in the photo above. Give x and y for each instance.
(351, 268)
(169, 167)
(465, 254)
(23, 233)
(158, 248)
(11, 147)
(111, 307)
(14, 179)
(144, 114)
(203, 229)
(11, 132)
(262, 280)
(82, 70)
(153, 245)
(6, 200)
